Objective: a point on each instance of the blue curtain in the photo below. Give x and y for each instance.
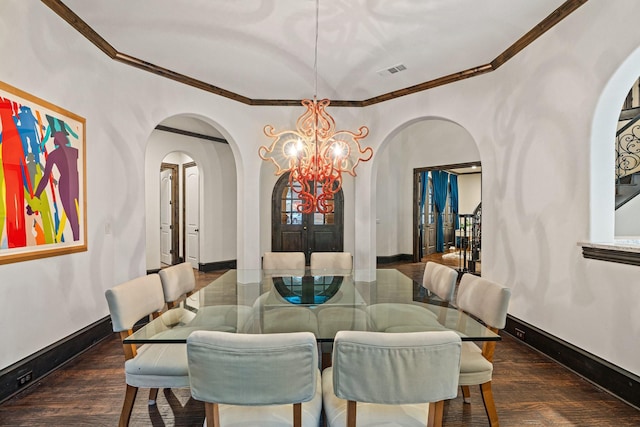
(440, 181)
(453, 180)
(424, 183)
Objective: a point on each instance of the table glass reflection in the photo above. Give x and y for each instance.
(322, 302)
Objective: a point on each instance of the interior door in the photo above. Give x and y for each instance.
(430, 221)
(166, 215)
(293, 231)
(424, 237)
(192, 214)
(449, 227)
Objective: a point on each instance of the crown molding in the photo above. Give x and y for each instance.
(64, 12)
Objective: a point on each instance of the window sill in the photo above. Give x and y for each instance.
(626, 251)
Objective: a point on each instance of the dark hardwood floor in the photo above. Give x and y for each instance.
(529, 390)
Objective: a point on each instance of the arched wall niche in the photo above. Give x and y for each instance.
(218, 175)
(603, 130)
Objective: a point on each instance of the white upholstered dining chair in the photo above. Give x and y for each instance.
(178, 281)
(331, 263)
(402, 317)
(150, 366)
(397, 317)
(256, 380)
(272, 314)
(333, 319)
(489, 302)
(282, 262)
(440, 280)
(390, 379)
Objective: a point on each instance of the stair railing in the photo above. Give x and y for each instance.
(628, 149)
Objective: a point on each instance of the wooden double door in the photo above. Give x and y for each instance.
(294, 231)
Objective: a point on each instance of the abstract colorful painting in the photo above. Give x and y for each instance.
(42, 178)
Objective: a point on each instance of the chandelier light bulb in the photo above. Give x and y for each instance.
(293, 148)
(338, 149)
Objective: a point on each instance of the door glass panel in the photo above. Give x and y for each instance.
(320, 218)
(289, 213)
(296, 218)
(285, 207)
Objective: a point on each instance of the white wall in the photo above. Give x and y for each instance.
(61, 295)
(628, 219)
(469, 192)
(532, 120)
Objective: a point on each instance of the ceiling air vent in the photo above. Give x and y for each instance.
(392, 70)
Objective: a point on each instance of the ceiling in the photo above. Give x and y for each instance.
(466, 170)
(264, 49)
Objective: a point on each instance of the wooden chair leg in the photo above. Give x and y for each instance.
(212, 414)
(351, 413)
(466, 393)
(326, 360)
(127, 406)
(297, 415)
(489, 404)
(436, 412)
(153, 396)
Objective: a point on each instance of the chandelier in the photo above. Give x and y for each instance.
(314, 153)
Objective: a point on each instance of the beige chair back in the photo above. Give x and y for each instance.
(440, 279)
(252, 369)
(414, 367)
(133, 300)
(487, 300)
(177, 281)
(292, 262)
(335, 263)
(251, 379)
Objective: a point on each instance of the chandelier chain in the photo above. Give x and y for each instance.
(315, 58)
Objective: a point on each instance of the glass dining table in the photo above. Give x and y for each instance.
(322, 302)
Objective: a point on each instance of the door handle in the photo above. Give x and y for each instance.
(196, 230)
(304, 228)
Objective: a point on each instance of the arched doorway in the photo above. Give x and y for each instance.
(420, 145)
(293, 231)
(460, 199)
(206, 194)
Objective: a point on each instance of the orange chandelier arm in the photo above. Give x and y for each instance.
(315, 155)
